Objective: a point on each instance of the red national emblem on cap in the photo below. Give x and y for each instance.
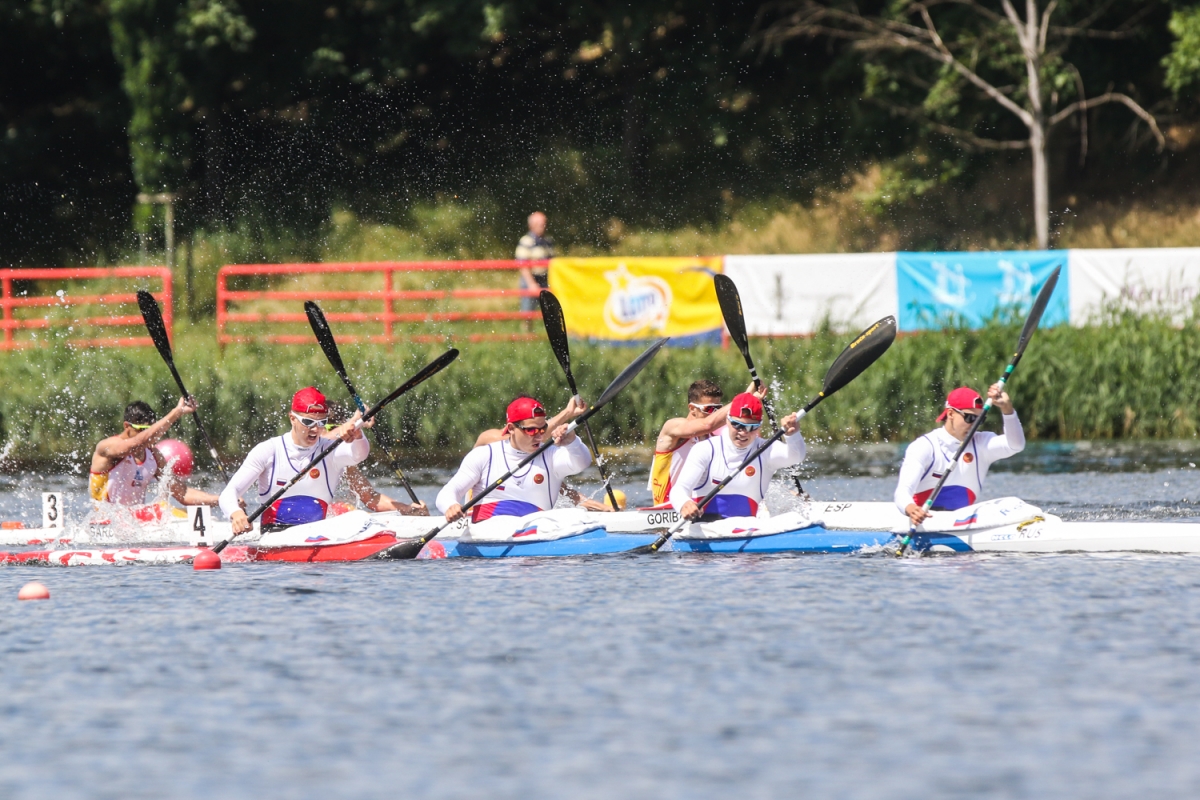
(309, 400)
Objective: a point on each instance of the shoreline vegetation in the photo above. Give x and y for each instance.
(1127, 378)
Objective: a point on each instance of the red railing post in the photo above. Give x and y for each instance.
(389, 310)
(221, 308)
(168, 302)
(8, 314)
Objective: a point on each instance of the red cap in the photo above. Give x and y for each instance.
(524, 408)
(746, 406)
(962, 398)
(309, 400)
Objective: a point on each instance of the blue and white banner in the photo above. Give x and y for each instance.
(939, 289)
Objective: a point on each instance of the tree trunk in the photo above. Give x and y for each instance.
(1041, 184)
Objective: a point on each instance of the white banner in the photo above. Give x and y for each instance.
(1161, 279)
(795, 295)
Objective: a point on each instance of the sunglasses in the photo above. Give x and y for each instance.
(139, 427)
(744, 426)
(308, 422)
(967, 416)
(533, 430)
(707, 408)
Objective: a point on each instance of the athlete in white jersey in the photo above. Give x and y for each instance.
(535, 487)
(123, 465)
(271, 464)
(928, 458)
(712, 460)
(679, 435)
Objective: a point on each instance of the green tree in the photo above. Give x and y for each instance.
(950, 64)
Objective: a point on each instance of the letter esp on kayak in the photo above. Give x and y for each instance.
(730, 302)
(433, 368)
(861, 353)
(556, 332)
(1031, 324)
(152, 314)
(320, 327)
(411, 548)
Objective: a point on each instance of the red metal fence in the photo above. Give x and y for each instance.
(386, 296)
(62, 300)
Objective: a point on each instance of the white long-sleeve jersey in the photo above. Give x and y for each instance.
(533, 488)
(926, 460)
(712, 459)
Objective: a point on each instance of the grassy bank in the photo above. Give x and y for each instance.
(1133, 378)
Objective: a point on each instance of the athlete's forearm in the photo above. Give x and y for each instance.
(470, 473)
(247, 475)
(911, 470)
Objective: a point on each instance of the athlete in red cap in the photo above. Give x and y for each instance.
(273, 463)
(926, 459)
(706, 415)
(535, 487)
(718, 456)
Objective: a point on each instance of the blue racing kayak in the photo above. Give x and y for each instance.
(594, 542)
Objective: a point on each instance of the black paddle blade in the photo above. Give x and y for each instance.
(405, 551)
(431, 369)
(320, 326)
(731, 309)
(152, 314)
(556, 330)
(864, 351)
(630, 372)
(1039, 307)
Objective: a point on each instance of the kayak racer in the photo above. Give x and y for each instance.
(679, 435)
(533, 489)
(493, 435)
(123, 465)
(711, 460)
(926, 459)
(273, 463)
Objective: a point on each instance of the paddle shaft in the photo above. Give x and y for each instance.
(152, 315)
(321, 329)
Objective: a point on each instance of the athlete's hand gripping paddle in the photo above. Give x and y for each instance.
(735, 321)
(1031, 324)
(433, 368)
(864, 351)
(556, 332)
(411, 548)
(320, 326)
(152, 314)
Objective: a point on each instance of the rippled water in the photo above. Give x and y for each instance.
(634, 676)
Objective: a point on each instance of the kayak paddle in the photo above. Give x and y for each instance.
(556, 332)
(864, 351)
(433, 368)
(320, 326)
(152, 314)
(411, 548)
(1031, 324)
(735, 321)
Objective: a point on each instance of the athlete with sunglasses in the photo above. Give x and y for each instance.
(710, 461)
(926, 459)
(123, 465)
(271, 464)
(679, 435)
(534, 487)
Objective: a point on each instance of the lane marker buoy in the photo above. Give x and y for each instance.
(206, 559)
(33, 591)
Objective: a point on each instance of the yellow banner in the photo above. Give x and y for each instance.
(638, 298)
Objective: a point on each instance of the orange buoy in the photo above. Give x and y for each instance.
(206, 559)
(33, 591)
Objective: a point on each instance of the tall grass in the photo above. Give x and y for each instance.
(1135, 377)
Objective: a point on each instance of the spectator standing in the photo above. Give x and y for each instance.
(534, 246)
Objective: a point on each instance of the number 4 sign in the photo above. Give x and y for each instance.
(199, 525)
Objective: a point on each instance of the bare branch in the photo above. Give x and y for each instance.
(1112, 97)
(1046, 26)
(966, 137)
(1083, 118)
(1123, 31)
